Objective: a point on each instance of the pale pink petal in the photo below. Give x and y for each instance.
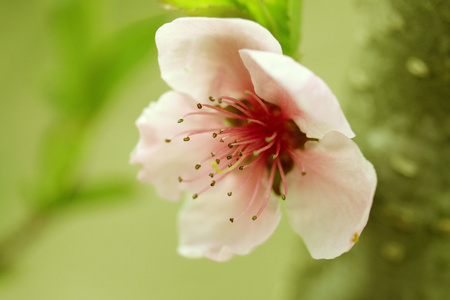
(199, 56)
(206, 231)
(329, 206)
(282, 81)
(162, 163)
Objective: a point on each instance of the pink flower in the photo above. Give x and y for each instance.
(245, 128)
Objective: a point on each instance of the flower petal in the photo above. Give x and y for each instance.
(282, 81)
(199, 56)
(329, 206)
(164, 162)
(204, 225)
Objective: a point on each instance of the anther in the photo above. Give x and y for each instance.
(221, 130)
(187, 139)
(254, 217)
(197, 166)
(180, 179)
(255, 153)
(211, 175)
(303, 173)
(180, 120)
(229, 156)
(230, 165)
(214, 135)
(283, 197)
(274, 156)
(199, 105)
(219, 100)
(240, 153)
(241, 168)
(268, 139)
(211, 98)
(231, 220)
(212, 154)
(230, 145)
(213, 183)
(194, 196)
(167, 140)
(221, 140)
(217, 160)
(229, 194)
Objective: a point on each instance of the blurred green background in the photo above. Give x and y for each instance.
(120, 246)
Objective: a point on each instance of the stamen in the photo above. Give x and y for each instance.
(267, 193)
(229, 194)
(187, 139)
(225, 112)
(283, 178)
(265, 148)
(167, 140)
(180, 120)
(237, 105)
(297, 159)
(199, 106)
(180, 179)
(218, 171)
(195, 196)
(211, 98)
(270, 138)
(277, 152)
(257, 122)
(255, 192)
(213, 183)
(211, 175)
(258, 100)
(197, 166)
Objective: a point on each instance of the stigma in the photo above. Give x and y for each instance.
(255, 134)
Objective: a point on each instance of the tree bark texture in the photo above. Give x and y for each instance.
(399, 106)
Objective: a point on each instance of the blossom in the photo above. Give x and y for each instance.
(244, 129)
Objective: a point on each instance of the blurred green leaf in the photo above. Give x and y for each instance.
(281, 17)
(105, 191)
(60, 153)
(117, 57)
(294, 13)
(90, 66)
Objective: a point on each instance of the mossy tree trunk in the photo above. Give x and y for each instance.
(399, 106)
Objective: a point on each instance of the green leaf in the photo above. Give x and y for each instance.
(117, 57)
(105, 191)
(90, 65)
(294, 9)
(208, 8)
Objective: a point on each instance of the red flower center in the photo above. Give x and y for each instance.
(256, 134)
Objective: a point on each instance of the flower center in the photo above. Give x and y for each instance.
(255, 134)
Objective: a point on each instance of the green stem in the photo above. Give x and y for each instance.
(13, 246)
